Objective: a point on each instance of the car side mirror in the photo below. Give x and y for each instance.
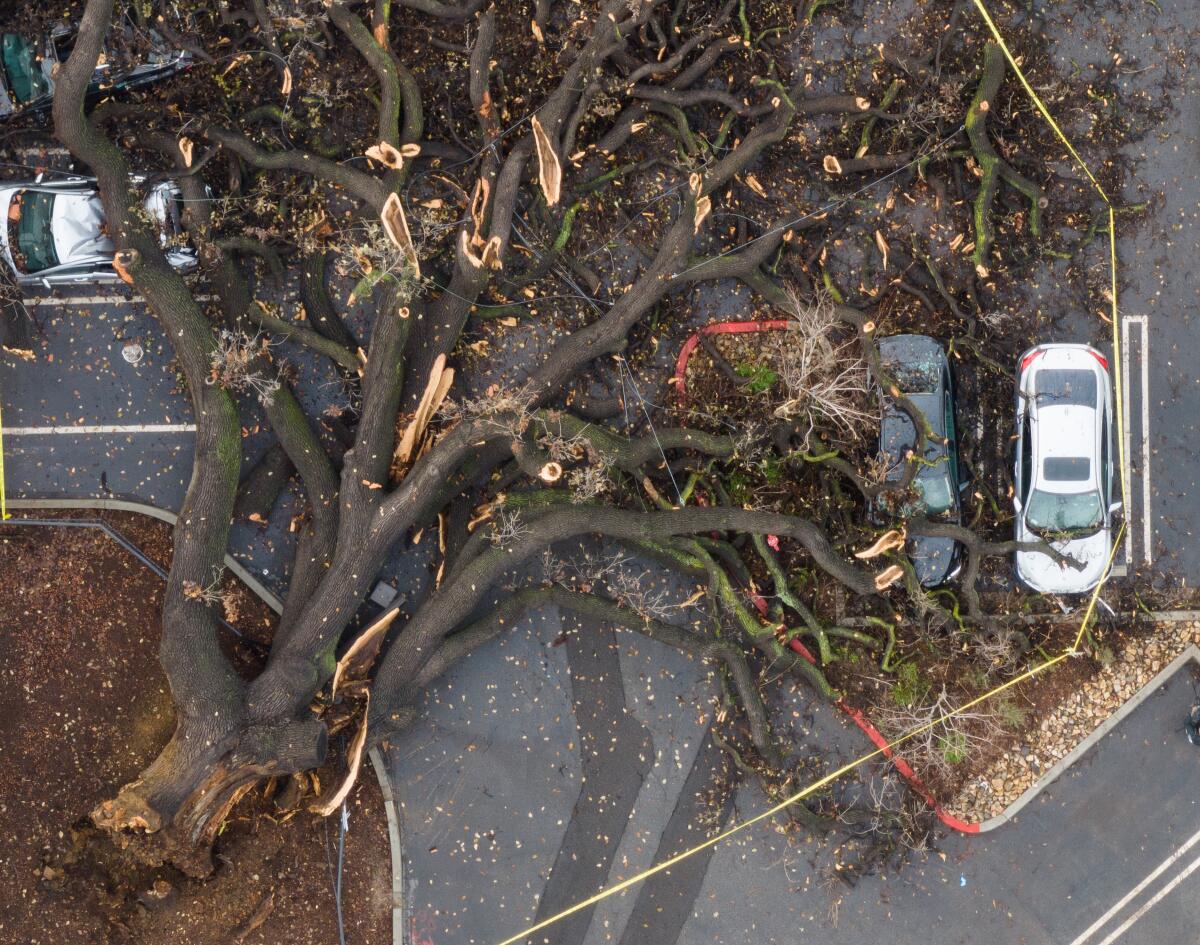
(1017, 503)
(46, 285)
(1114, 508)
(38, 179)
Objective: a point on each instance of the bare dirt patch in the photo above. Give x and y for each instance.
(83, 707)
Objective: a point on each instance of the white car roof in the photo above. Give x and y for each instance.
(1065, 430)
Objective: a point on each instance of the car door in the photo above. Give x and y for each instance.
(1106, 464)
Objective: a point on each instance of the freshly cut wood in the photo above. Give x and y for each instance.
(358, 659)
(549, 168)
(886, 542)
(889, 576)
(386, 155)
(440, 379)
(491, 254)
(703, 209)
(123, 261)
(479, 200)
(354, 756)
(396, 227)
(490, 257)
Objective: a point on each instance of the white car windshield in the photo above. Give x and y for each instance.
(1053, 512)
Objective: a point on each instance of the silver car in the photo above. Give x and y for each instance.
(55, 233)
(1064, 466)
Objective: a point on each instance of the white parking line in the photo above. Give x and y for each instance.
(35, 150)
(1147, 509)
(1125, 900)
(1144, 366)
(102, 428)
(41, 300)
(1151, 903)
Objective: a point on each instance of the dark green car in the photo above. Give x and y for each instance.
(920, 367)
(28, 67)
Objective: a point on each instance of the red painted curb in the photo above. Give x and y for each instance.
(910, 776)
(906, 770)
(718, 328)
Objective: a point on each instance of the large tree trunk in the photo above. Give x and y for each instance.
(173, 811)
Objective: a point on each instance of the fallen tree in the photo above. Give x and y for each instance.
(503, 476)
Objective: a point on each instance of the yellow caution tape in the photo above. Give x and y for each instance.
(1118, 393)
(1089, 612)
(1091, 607)
(1118, 373)
(987, 18)
(787, 802)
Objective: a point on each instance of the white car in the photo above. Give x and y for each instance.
(55, 234)
(1064, 466)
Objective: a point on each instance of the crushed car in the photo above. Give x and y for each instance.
(55, 232)
(28, 67)
(921, 370)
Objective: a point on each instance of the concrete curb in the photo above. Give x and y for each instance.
(377, 762)
(393, 822)
(1192, 652)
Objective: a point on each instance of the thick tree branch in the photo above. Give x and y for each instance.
(501, 619)
(361, 186)
(452, 604)
(202, 680)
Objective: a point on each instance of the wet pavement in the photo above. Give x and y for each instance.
(542, 769)
(1064, 864)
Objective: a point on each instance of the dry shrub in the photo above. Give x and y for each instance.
(823, 378)
(501, 410)
(943, 741)
(235, 362)
(625, 580)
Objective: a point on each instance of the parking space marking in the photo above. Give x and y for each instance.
(1128, 897)
(1144, 367)
(1151, 903)
(50, 300)
(40, 151)
(102, 428)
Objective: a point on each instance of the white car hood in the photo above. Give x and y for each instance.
(1043, 573)
(77, 224)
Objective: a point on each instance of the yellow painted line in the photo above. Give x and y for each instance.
(3, 503)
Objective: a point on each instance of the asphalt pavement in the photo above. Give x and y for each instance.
(544, 768)
(1059, 873)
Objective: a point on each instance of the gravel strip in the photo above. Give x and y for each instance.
(1072, 720)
